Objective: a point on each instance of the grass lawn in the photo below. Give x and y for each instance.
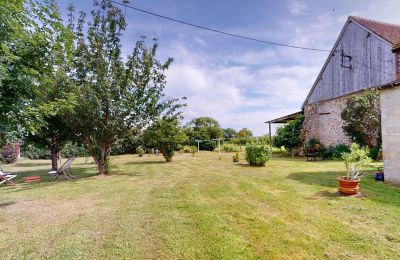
(197, 208)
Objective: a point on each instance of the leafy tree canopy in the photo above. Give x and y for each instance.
(205, 129)
(165, 134)
(245, 132)
(289, 135)
(229, 133)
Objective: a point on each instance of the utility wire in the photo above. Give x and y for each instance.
(237, 35)
(218, 31)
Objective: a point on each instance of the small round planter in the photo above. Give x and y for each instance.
(348, 187)
(379, 176)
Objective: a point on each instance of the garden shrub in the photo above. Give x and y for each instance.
(257, 155)
(374, 152)
(208, 145)
(9, 153)
(340, 150)
(189, 149)
(73, 150)
(313, 143)
(34, 152)
(140, 151)
(230, 148)
(289, 135)
(236, 157)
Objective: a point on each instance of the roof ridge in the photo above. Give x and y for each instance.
(373, 20)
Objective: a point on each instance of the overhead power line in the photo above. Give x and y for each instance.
(219, 31)
(237, 35)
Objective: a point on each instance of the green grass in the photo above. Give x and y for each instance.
(197, 208)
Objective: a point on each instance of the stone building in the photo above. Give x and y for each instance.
(390, 115)
(366, 55)
(361, 59)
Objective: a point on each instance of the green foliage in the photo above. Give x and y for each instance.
(340, 150)
(165, 134)
(257, 155)
(72, 149)
(34, 152)
(289, 135)
(189, 149)
(115, 96)
(313, 143)
(236, 157)
(374, 152)
(140, 151)
(229, 133)
(356, 161)
(244, 133)
(205, 129)
(362, 118)
(230, 148)
(265, 140)
(23, 50)
(208, 145)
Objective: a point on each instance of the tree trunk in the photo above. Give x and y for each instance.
(103, 160)
(100, 159)
(54, 152)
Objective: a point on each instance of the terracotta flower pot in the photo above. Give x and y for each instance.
(348, 187)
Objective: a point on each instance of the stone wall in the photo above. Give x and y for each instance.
(390, 113)
(323, 121)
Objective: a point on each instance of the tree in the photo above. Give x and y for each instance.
(245, 132)
(166, 135)
(229, 133)
(114, 97)
(53, 97)
(21, 50)
(205, 129)
(289, 135)
(243, 137)
(362, 118)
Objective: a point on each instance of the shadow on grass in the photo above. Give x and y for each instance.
(324, 179)
(28, 165)
(144, 162)
(379, 192)
(6, 204)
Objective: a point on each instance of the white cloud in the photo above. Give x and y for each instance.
(297, 7)
(237, 96)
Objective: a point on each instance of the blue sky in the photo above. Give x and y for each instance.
(242, 83)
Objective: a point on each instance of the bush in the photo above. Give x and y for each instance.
(289, 135)
(374, 152)
(313, 143)
(339, 150)
(34, 152)
(229, 148)
(140, 151)
(73, 150)
(208, 145)
(257, 155)
(9, 153)
(236, 157)
(189, 149)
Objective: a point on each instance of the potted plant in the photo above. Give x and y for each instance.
(356, 161)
